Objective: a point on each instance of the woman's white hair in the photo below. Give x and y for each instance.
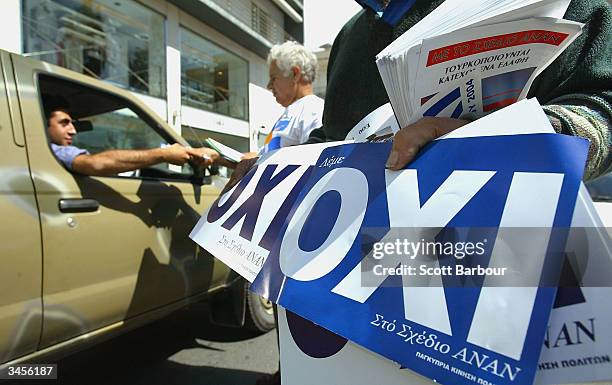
(291, 54)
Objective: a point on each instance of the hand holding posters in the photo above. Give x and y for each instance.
(577, 344)
(461, 326)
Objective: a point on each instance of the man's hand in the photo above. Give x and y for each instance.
(203, 156)
(179, 155)
(409, 140)
(176, 154)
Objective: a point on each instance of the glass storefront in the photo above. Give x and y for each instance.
(212, 78)
(120, 41)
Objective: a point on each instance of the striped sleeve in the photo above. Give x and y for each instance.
(588, 116)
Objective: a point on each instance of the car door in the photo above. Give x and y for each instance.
(114, 247)
(20, 249)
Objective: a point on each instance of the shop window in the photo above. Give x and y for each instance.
(212, 78)
(120, 41)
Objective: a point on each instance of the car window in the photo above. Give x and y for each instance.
(108, 122)
(122, 129)
(601, 188)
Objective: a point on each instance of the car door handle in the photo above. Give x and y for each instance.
(78, 205)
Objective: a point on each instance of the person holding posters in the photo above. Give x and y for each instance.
(576, 89)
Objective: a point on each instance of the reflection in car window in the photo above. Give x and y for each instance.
(119, 129)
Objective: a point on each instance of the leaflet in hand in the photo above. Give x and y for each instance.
(225, 151)
(473, 57)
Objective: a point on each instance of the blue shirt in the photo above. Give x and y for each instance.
(66, 154)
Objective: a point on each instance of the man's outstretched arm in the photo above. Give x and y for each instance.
(116, 161)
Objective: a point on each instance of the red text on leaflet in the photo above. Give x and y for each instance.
(491, 43)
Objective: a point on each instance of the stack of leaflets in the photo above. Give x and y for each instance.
(226, 152)
(473, 57)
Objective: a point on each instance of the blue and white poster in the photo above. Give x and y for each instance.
(450, 334)
(481, 333)
(578, 340)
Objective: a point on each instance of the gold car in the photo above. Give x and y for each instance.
(83, 257)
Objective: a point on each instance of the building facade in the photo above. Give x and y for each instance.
(194, 62)
(320, 83)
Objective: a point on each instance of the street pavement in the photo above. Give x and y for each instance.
(181, 349)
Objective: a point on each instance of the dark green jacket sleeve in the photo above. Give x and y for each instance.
(576, 89)
(586, 65)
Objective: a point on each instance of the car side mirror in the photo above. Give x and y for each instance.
(213, 169)
(201, 181)
(199, 176)
(198, 179)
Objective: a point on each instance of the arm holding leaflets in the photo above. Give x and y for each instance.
(582, 70)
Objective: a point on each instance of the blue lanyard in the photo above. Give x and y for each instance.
(393, 13)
